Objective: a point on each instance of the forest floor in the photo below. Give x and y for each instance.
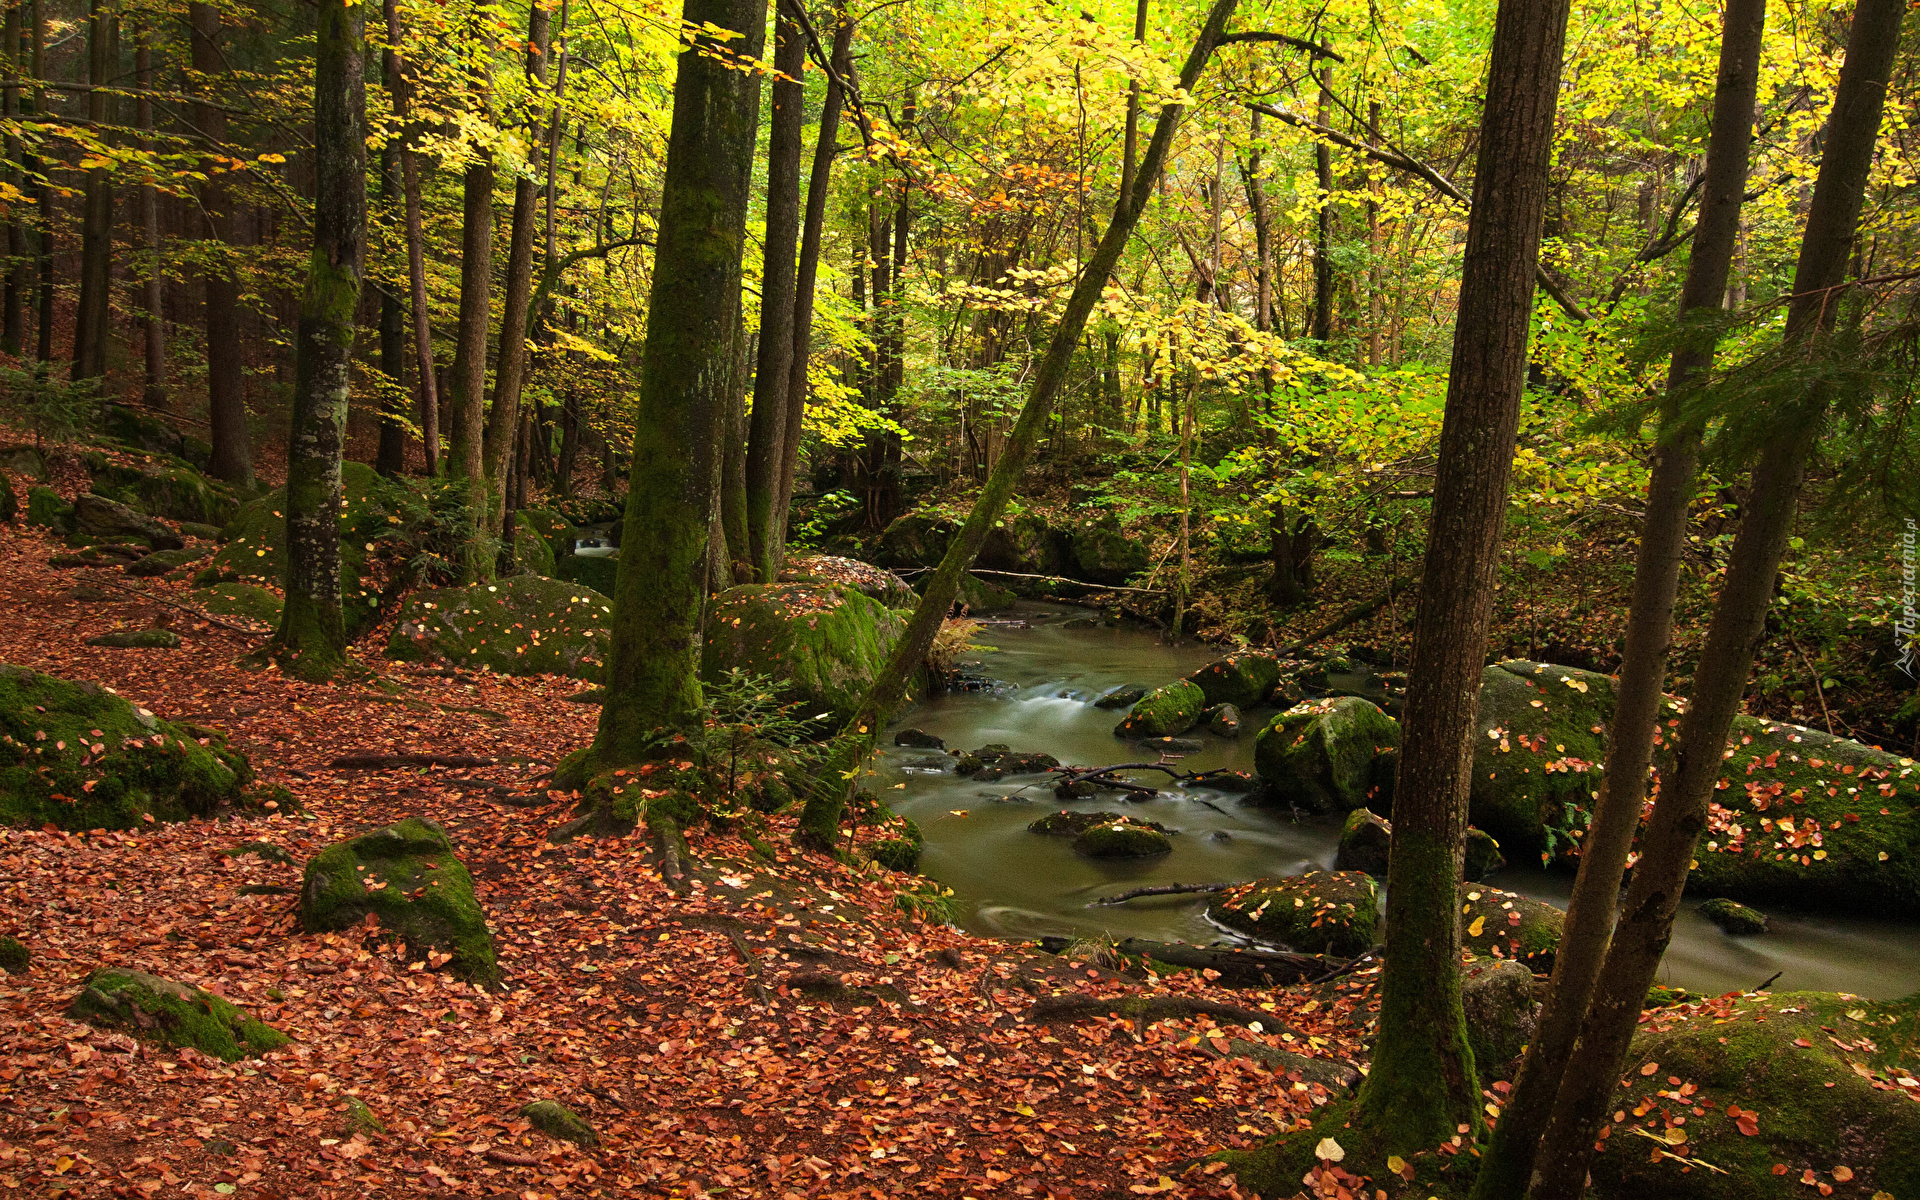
(761, 1028)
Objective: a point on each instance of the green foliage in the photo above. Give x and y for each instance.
(54, 408)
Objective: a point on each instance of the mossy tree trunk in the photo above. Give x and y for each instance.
(820, 823)
(686, 371)
(1739, 619)
(96, 221)
(1422, 1085)
(1641, 689)
(226, 379)
(311, 641)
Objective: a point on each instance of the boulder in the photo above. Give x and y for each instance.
(1501, 1014)
(521, 625)
(1329, 755)
(99, 518)
(1073, 824)
(560, 1122)
(875, 583)
(1483, 856)
(1364, 843)
(46, 509)
(532, 554)
(1025, 544)
(173, 1014)
(410, 878)
(977, 596)
(555, 528)
(1539, 746)
(15, 958)
(1223, 720)
(824, 642)
(80, 757)
(177, 493)
(1243, 680)
(997, 761)
(916, 539)
(247, 601)
(596, 572)
(918, 739)
(1125, 696)
(161, 562)
(138, 639)
(1799, 1093)
(1163, 712)
(1172, 745)
(143, 431)
(1508, 925)
(1320, 912)
(1123, 838)
(1105, 553)
(1735, 918)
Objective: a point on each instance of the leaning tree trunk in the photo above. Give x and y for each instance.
(685, 372)
(311, 641)
(1623, 788)
(820, 823)
(1422, 1086)
(96, 223)
(1739, 620)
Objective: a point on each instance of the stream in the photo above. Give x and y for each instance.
(1050, 662)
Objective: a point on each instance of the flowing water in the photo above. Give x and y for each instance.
(1050, 662)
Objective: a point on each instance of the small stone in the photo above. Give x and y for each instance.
(360, 1118)
(1736, 919)
(1364, 842)
(1123, 838)
(138, 639)
(1483, 855)
(1076, 789)
(918, 739)
(1125, 696)
(560, 1122)
(1223, 720)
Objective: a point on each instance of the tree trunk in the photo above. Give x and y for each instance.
(818, 185)
(311, 641)
(226, 381)
(425, 378)
(1130, 144)
(1673, 830)
(1623, 788)
(43, 201)
(1323, 221)
(685, 372)
(773, 371)
(467, 415)
(96, 224)
(13, 302)
(1422, 1085)
(153, 330)
(820, 823)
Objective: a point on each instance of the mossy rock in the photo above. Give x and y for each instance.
(173, 1014)
(1734, 917)
(9, 499)
(1028, 545)
(1365, 840)
(875, 583)
(1242, 680)
(521, 625)
(1073, 824)
(1538, 749)
(1123, 838)
(247, 601)
(28, 461)
(138, 639)
(595, 572)
(1814, 1075)
(178, 493)
(558, 1121)
(1331, 755)
(143, 431)
(1164, 712)
(1320, 912)
(361, 1119)
(555, 528)
(1483, 855)
(409, 876)
(532, 555)
(78, 756)
(916, 539)
(1105, 553)
(1497, 924)
(160, 562)
(100, 519)
(1125, 696)
(824, 642)
(1501, 1014)
(47, 509)
(979, 597)
(1222, 720)
(15, 958)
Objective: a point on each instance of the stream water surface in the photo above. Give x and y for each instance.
(1050, 663)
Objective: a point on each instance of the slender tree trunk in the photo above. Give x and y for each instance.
(96, 223)
(1739, 620)
(1623, 788)
(1422, 1085)
(731, 555)
(818, 185)
(426, 379)
(311, 641)
(1375, 252)
(1323, 221)
(685, 372)
(226, 381)
(773, 374)
(1130, 146)
(1262, 230)
(13, 302)
(820, 823)
(467, 415)
(154, 285)
(43, 202)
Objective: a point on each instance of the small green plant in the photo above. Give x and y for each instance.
(828, 512)
(746, 720)
(431, 532)
(56, 409)
(926, 900)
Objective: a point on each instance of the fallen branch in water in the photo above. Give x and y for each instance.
(1164, 889)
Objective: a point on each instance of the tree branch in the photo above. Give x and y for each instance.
(1312, 48)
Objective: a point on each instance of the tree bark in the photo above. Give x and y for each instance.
(467, 415)
(1423, 1085)
(820, 823)
(1323, 222)
(1739, 620)
(153, 341)
(13, 302)
(311, 641)
(1638, 695)
(773, 374)
(685, 371)
(425, 377)
(96, 223)
(43, 201)
(226, 381)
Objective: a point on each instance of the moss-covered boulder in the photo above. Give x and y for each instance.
(144, 431)
(1501, 1014)
(410, 878)
(1734, 917)
(1103, 552)
(1164, 712)
(46, 509)
(160, 562)
(1222, 720)
(978, 596)
(15, 958)
(824, 642)
(595, 572)
(875, 583)
(1073, 824)
(247, 601)
(175, 492)
(1320, 912)
(554, 527)
(173, 1014)
(521, 625)
(556, 1120)
(1331, 755)
(1539, 748)
(1125, 696)
(532, 553)
(1788, 1095)
(1123, 838)
(78, 756)
(1243, 680)
(1483, 855)
(1511, 926)
(97, 518)
(138, 639)
(916, 539)
(1365, 841)
(1027, 544)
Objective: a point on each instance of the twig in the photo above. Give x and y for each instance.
(1763, 987)
(1818, 691)
(1098, 587)
(1165, 889)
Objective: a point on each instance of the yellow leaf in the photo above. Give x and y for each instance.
(1396, 1164)
(1329, 1150)
(1474, 929)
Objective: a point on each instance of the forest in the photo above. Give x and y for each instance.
(800, 598)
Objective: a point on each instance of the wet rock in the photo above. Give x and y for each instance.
(824, 642)
(1508, 925)
(522, 625)
(1076, 789)
(1073, 824)
(1124, 838)
(919, 739)
(98, 517)
(15, 959)
(1242, 680)
(162, 561)
(1329, 755)
(941, 765)
(138, 639)
(1222, 721)
(1124, 696)
(409, 877)
(1219, 835)
(173, 1014)
(1171, 745)
(560, 1122)
(1734, 918)
(1483, 856)
(1365, 840)
(967, 765)
(1163, 712)
(1320, 912)
(1501, 1014)
(1237, 782)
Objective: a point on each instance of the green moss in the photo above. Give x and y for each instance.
(1122, 839)
(590, 571)
(1103, 552)
(916, 540)
(1499, 924)
(824, 642)
(1483, 855)
(558, 1121)
(1242, 680)
(138, 639)
(532, 553)
(1164, 712)
(78, 756)
(523, 625)
(173, 1014)
(162, 561)
(1538, 751)
(178, 493)
(46, 509)
(1733, 917)
(1365, 840)
(360, 1118)
(409, 877)
(1320, 912)
(1328, 755)
(555, 528)
(247, 601)
(14, 956)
